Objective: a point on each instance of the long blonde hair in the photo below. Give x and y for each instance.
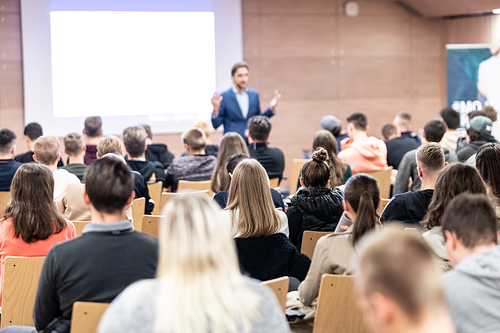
(201, 289)
(250, 197)
(231, 143)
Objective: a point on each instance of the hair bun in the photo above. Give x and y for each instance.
(320, 155)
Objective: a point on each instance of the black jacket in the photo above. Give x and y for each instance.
(408, 207)
(159, 152)
(272, 159)
(141, 191)
(146, 169)
(464, 153)
(270, 257)
(317, 211)
(397, 148)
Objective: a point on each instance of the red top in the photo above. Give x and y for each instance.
(16, 247)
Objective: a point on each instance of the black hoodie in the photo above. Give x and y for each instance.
(146, 169)
(409, 207)
(159, 152)
(319, 210)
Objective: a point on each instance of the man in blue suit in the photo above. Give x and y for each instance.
(236, 105)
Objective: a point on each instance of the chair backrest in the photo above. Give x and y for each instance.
(86, 316)
(151, 224)
(384, 181)
(20, 283)
(274, 182)
(195, 186)
(296, 166)
(279, 287)
(138, 206)
(166, 196)
(277, 189)
(309, 240)
(155, 194)
(4, 200)
(338, 309)
(79, 225)
(383, 203)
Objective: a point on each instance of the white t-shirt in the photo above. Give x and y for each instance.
(489, 74)
(61, 179)
(226, 217)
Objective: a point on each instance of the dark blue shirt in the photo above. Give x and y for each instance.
(7, 170)
(397, 148)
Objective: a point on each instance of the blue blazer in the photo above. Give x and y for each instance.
(230, 113)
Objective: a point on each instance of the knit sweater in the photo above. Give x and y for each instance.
(191, 167)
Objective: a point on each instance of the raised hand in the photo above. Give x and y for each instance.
(216, 100)
(274, 102)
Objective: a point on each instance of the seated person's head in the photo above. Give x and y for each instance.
(490, 112)
(109, 145)
(451, 181)
(331, 124)
(259, 128)
(230, 144)
(134, 139)
(46, 150)
(194, 140)
(93, 127)
(399, 283)
(469, 222)
(434, 131)
(32, 131)
(450, 117)
(233, 161)
(7, 143)
(109, 185)
(480, 129)
(430, 159)
(205, 127)
(357, 122)
(487, 163)
(73, 144)
(149, 139)
(389, 132)
(325, 139)
(316, 171)
(403, 121)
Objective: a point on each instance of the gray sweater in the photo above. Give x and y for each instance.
(133, 311)
(473, 291)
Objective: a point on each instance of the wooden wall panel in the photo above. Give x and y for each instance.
(468, 30)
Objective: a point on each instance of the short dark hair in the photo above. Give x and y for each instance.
(234, 160)
(389, 130)
(93, 126)
(434, 131)
(73, 144)
(33, 131)
(473, 114)
(238, 65)
(490, 113)
(472, 218)
(475, 135)
(7, 140)
(404, 115)
(259, 128)
(450, 117)
(147, 128)
(109, 184)
(134, 139)
(430, 157)
(359, 120)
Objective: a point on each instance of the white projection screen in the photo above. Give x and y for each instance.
(151, 62)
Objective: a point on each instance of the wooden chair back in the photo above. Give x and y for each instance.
(195, 186)
(166, 196)
(79, 225)
(384, 181)
(279, 287)
(4, 200)
(151, 224)
(274, 182)
(20, 283)
(338, 309)
(309, 240)
(155, 194)
(138, 206)
(277, 189)
(381, 207)
(296, 166)
(86, 316)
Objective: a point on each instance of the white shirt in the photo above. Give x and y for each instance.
(226, 217)
(243, 101)
(61, 179)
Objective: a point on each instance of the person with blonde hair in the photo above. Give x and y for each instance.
(400, 285)
(261, 231)
(210, 148)
(230, 144)
(199, 287)
(109, 144)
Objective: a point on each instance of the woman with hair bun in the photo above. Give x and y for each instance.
(316, 206)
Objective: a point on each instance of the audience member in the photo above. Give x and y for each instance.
(433, 132)
(452, 180)
(221, 197)
(487, 163)
(316, 206)
(31, 223)
(32, 131)
(469, 227)
(479, 133)
(333, 125)
(93, 133)
(46, 150)
(492, 114)
(411, 207)
(156, 151)
(196, 166)
(462, 142)
(210, 148)
(75, 148)
(334, 253)
(231, 143)
(397, 145)
(114, 257)
(272, 159)
(451, 119)
(198, 275)
(134, 139)
(403, 123)
(361, 152)
(8, 166)
(400, 287)
(260, 230)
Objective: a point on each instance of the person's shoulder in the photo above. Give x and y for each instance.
(252, 91)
